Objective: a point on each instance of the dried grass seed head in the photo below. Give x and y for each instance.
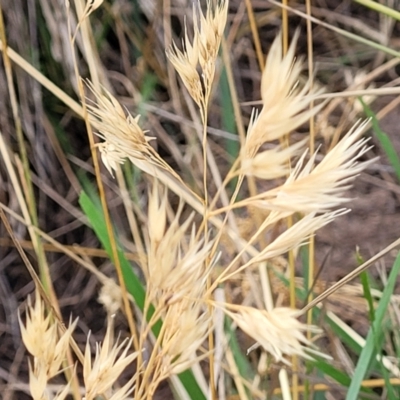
(188, 325)
(210, 33)
(285, 104)
(110, 361)
(185, 63)
(176, 258)
(37, 382)
(279, 332)
(157, 214)
(110, 296)
(273, 163)
(311, 188)
(42, 339)
(123, 136)
(37, 327)
(201, 52)
(293, 237)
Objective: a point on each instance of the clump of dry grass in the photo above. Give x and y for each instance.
(179, 260)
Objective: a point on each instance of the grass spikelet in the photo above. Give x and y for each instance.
(321, 187)
(291, 238)
(110, 296)
(176, 256)
(37, 382)
(188, 326)
(271, 164)
(285, 105)
(175, 272)
(316, 188)
(310, 187)
(279, 332)
(157, 215)
(210, 33)
(202, 52)
(110, 360)
(185, 63)
(41, 338)
(125, 139)
(297, 234)
(123, 136)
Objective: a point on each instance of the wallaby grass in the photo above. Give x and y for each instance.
(199, 230)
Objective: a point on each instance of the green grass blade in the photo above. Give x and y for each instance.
(373, 334)
(242, 363)
(96, 219)
(367, 295)
(132, 282)
(344, 336)
(328, 369)
(384, 140)
(380, 8)
(228, 116)
(391, 395)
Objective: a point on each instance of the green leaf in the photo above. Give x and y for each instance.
(383, 139)
(367, 294)
(328, 369)
(228, 115)
(374, 334)
(96, 219)
(242, 363)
